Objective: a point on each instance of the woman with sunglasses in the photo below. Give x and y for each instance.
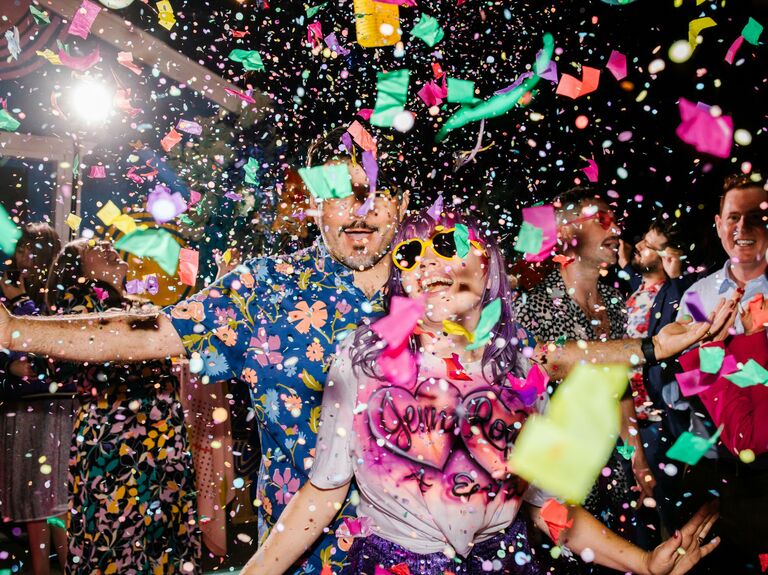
(426, 443)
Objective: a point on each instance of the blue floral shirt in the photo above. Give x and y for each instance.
(275, 323)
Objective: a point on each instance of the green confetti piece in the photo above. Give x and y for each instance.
(251, 169)
(428, 29)
(312, 10)
(461, 91)
(626, 451)
(529, 239)
(392, 93)
(155, 243)
(752, 373)
(461, 239)
(76, 166)
(39, 16)
(489, 317)
(501, 103)
(56, 522)
(711, 359)
(9, 233)
(250, 59)
(689, 448)
(752, 31)
(327, 181)
(8, 122)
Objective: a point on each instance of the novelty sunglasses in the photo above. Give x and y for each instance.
(407, 253)
(605, 218)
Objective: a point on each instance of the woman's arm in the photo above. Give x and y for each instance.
(302, 521)
(676, 555)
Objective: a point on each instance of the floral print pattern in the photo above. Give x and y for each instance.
(288, 314)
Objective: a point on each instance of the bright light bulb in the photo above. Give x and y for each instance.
(92, 101)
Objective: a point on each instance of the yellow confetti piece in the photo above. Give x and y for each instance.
(696, 26)
(454, 328)
(45, 469)
(376, 23)
(73, 221)
(165, 16)
(124, 223)
(50, 55)
(108, 213)
(220, 414)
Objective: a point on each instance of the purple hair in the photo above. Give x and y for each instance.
(497, 361)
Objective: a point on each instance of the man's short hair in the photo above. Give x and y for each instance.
(740, 182)
(574, 198)
(674, 230)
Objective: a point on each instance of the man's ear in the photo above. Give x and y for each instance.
(565, 235)
(718, 221)
(404, 201)
(315, 209)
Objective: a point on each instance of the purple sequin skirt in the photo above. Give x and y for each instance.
(508, 553)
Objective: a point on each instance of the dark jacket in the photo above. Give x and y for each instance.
(663, 312)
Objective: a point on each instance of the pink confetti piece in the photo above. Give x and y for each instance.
(542, 217)
(362, 137)
(617, 65)
(365, 113)
(97, 172)
(242, 95)
(433, 94)
(315, 34)
(731, 54)
(188, 265)
(170, 140)
(591, 171)
(403, 316)
(121, 101)
(83, 19)
(79, 63)
(707, 133)
(194, 197)
(126, 59)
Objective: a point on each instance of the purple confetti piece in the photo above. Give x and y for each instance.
(371, 169)
(695, 306)
(189, 127)
(233, 196)
(333, 43)
(436, 209)
(519, 80)
(346, 139)
(163, 205)
(134, 287)
(152, 284)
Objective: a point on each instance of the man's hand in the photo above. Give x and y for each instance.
(678, 336)
(625, 253)
(5, 328)
(21, 368)
(643, 475)
(686, 547)
(671, 262)
(754, 317)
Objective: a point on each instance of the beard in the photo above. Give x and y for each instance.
(645, 268)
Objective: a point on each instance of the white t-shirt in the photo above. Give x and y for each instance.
(425, 457)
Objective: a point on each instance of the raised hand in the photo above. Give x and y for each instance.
(686, 547)
(680, 335)
(5, 328)
(671, 262)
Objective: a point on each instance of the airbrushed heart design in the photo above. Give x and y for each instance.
(488, 428)
(419, 426)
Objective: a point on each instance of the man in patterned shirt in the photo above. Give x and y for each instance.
(571, 303)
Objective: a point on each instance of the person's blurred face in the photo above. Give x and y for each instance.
(453, 288)
(359, 241)
(591, 233)
(101, 262)
(646, 257)
(741, 225)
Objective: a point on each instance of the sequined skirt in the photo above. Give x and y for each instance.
(508, 553)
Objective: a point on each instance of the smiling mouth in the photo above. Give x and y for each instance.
(435, 284)
(611, 244)
(358, 234)
(744, 243)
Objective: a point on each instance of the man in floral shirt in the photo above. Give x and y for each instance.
(275, 323)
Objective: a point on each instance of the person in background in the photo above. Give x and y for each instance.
(35, 424)
(572, 303)
(654, 269)
(741, 226)
(131, 479)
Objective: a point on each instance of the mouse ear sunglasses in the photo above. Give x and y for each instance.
(407, 253)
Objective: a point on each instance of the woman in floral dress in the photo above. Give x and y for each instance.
(131, 485)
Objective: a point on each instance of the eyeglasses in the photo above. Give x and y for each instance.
(407, 253)
(604, 217)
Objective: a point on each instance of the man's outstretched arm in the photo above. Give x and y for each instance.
(110, 336)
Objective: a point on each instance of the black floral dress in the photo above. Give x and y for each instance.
(131, 480)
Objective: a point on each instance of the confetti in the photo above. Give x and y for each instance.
(690, 448)
(157, 244)
(327, 181)
(392, 93)
(9, 233)
(428, 30)
(83, 19)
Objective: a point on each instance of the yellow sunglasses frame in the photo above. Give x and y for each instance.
(429, 243)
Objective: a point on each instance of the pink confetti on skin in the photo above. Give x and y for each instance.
(705, 132)
(80, 63)
(617, 65)
(731, 54)
(542, 217)
(126, 59)
(591, 171)
(83, 19)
